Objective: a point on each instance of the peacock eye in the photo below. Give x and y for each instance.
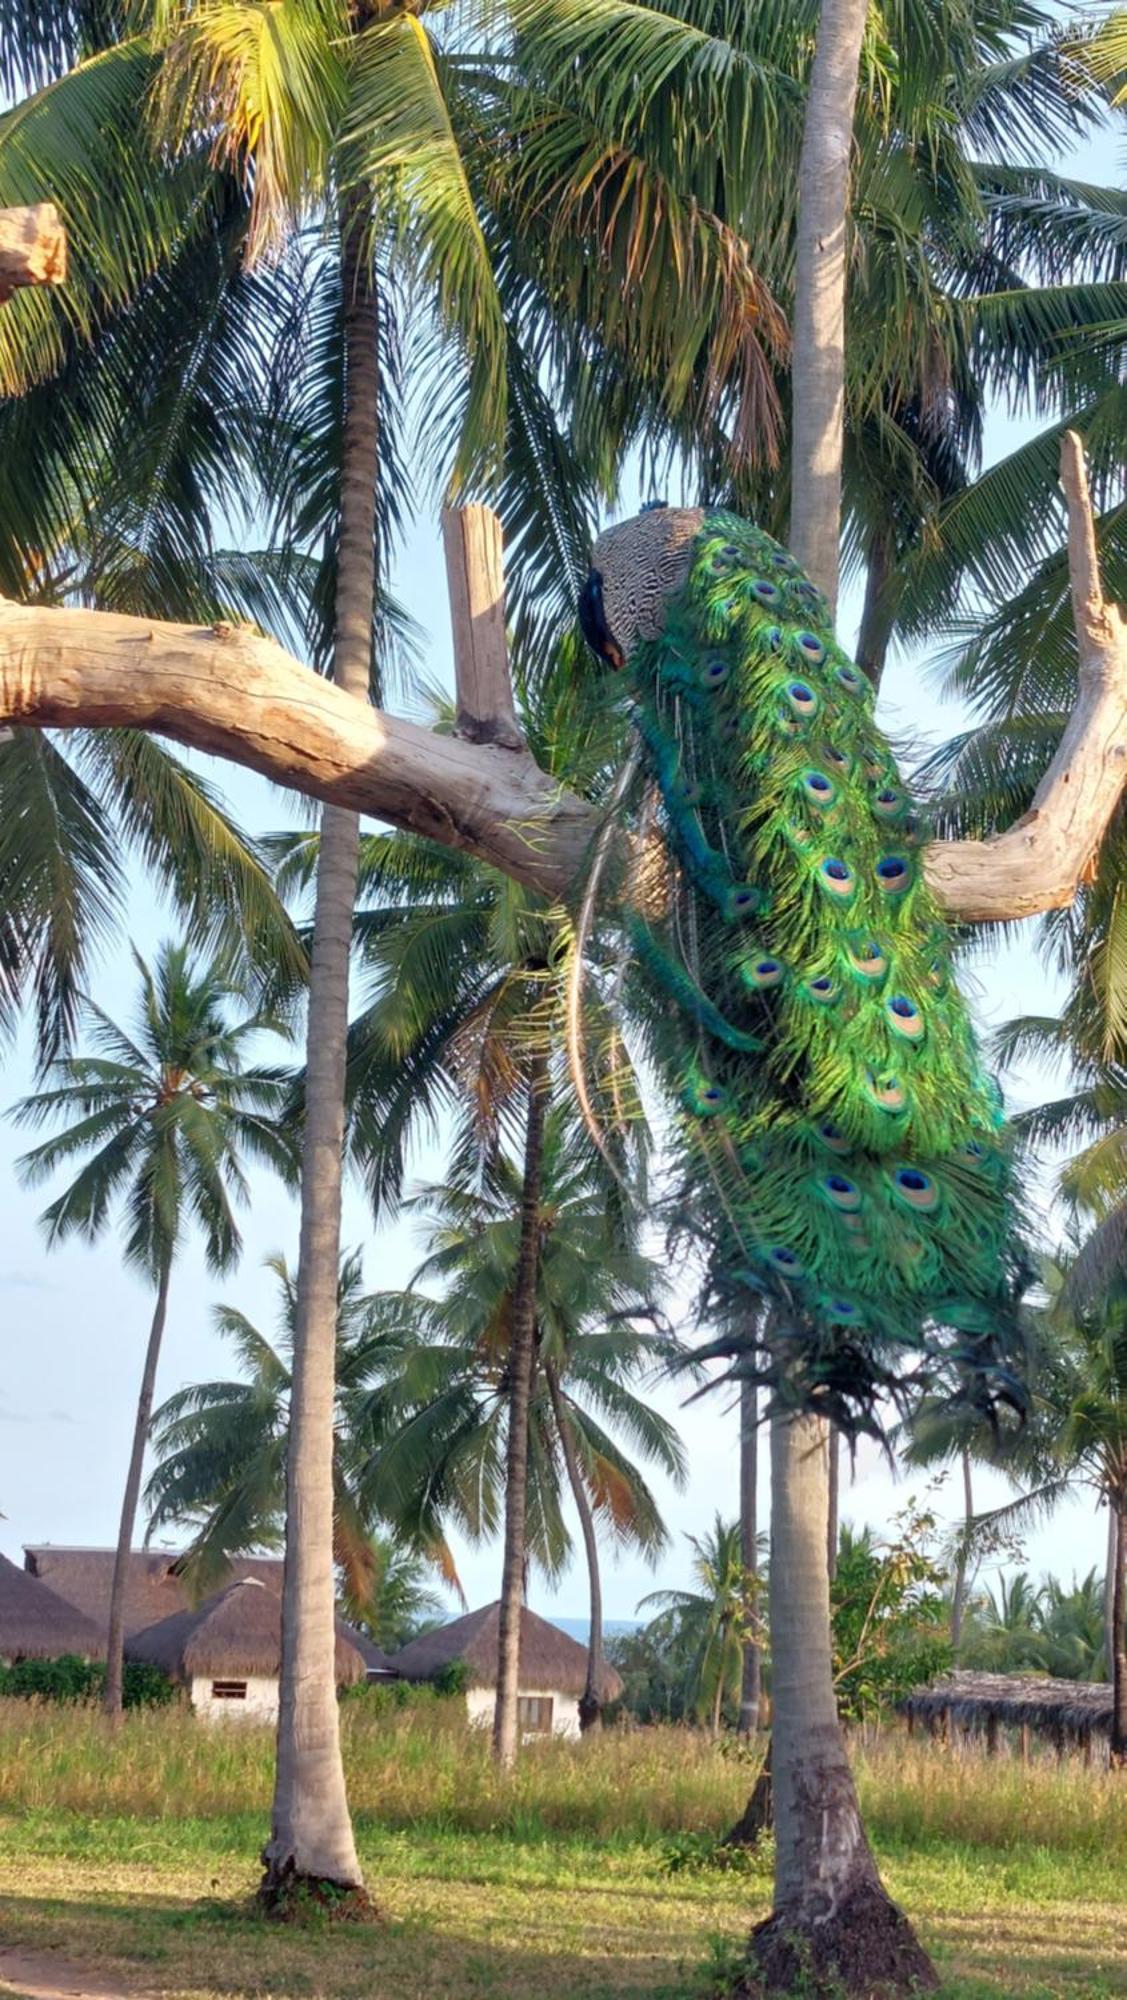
(811, 648)
(916, 1188)
(714, 671)
(765, 591)
(850, 679)
(802, 699)
(841, 1193)
(820, 790)
(762, 972)
(822, 991)
(772, 636)
(904, 1017)
(893, 874)
(836, 877)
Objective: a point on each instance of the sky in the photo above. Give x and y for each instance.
(73, 1323)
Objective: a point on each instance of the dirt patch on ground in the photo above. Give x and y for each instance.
(866, 1949)
(45, 1975)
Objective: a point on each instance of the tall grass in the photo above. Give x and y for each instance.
(426, 1769)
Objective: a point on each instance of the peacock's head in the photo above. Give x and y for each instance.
(636, 567)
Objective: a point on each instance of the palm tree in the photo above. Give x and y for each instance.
(221, 1466)
(443, 1410)
(221, 1453)
(161, 1119)
(711, 1622)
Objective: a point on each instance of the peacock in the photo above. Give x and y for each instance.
(841, 1149)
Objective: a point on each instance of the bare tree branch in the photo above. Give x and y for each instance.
(476, 578)
(1039, 862)
(33, 248)
(230, 691)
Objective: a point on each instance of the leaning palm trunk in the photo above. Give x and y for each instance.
(311, 1839)
(1119, 1640)
(831, 1919)
(591, 1700)
(751, 1678)
(522, 1361)
(115, 1638)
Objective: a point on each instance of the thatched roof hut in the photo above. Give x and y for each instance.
(154, 1588)
(35, 1624)
(237, 1633)
(1059, 1710)
(548, 1657)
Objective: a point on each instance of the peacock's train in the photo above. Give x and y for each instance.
(842, 1153)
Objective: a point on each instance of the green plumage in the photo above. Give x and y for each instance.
(842, 1149)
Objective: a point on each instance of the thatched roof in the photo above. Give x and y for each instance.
(35, 1624)
(375, 1659)
(153, 1589)
(235, 1633)
(972, 1700)
(549, 1659)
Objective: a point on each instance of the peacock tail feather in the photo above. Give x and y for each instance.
(841, 1149)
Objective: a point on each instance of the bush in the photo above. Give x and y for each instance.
(386, 1697)
(70, 1678)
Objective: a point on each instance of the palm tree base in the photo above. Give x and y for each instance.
(590, 1713)
(758, 1816)
(289, 1898)
(866, 1949)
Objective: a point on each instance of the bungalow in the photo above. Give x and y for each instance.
(35, 1624)
(155, 1588)
(227, 1652)
(553, 1669)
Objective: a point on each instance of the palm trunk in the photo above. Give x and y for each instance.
(877, 615)
(591, 1700)
(833, 1497)
(751, 1679)
(522, 1357)
(1109, 1589)
(1119, 1641)
(717, 1700)
(115, 1637)
(831, 1919)
(818, 364)
(311, 1839)
(959, 1594)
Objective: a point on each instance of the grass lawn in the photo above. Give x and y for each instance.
(557, 1887)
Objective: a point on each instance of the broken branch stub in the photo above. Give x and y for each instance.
(33, 248)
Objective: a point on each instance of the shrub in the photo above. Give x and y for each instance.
(70, 1678)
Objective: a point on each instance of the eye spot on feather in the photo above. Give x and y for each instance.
(841, 1193)
(762, 972)
(714, 671)
(704, 1099)
(818, 790)
(831, 1135)
(811, 648)
(850, 679)
(744, 900)
(765, 591)
(868, 960)
(843, 1312)
(916, 1188)
(841, 761)
(888, 803)
(786, 1260)
(823, 991)
(894, 874)
(802, 699)
(873, 763)
(904, 1017)
(724, 558)
(772, 637)
(837, 878)
(886, 1092)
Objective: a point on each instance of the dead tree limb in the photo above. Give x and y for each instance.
(33, 248)
(230, 691)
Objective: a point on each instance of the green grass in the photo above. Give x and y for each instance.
(137, 1852)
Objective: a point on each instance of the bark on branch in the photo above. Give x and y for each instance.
(1039, 862)
(33, 248)
(230, 691)
(476, 579)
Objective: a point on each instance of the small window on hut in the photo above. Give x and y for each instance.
(228, 1690)
(534, 1714)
